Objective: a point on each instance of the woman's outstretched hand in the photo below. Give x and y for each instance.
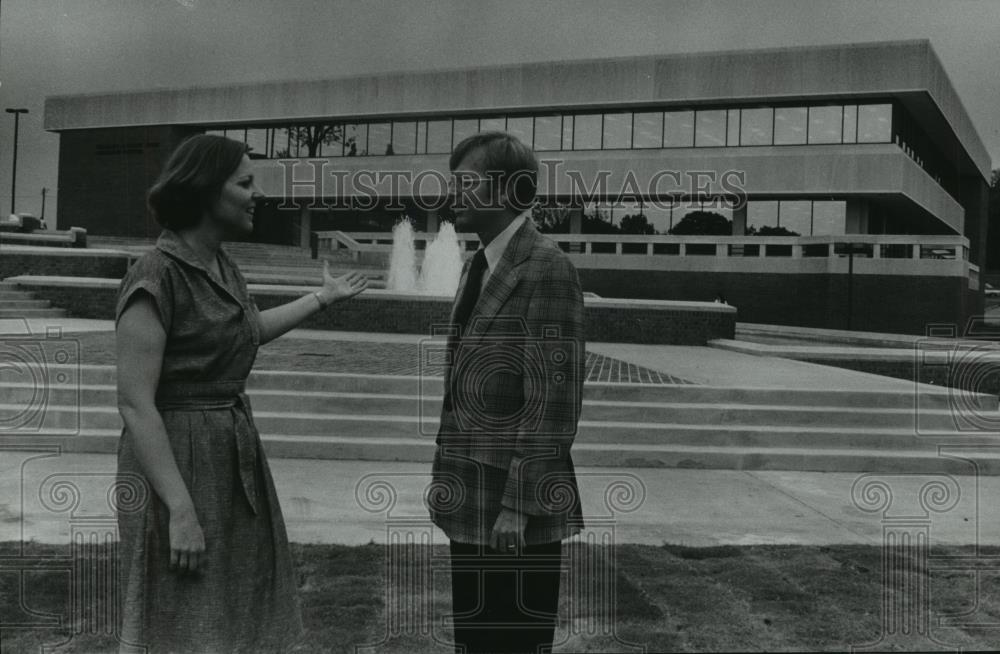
(342, 287)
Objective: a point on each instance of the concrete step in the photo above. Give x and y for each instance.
(303, 280)
(642, 415)
(914, 398)
(25, 303)
(31, 313)
(928, 460)
(416, 425)
(13, 296)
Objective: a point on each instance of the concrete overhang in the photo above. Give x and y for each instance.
(816, 171)
(908, 70)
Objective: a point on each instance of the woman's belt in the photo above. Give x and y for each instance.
(206, 396)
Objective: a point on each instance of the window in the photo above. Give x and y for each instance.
(625, 208)
(521, 128)
(829, 217)
(587, 132)
(292, 136)
(851, 123)
(380, 138)
(796, 216)
(733, 127)
(336, 140)
(404, 138)
(755, 126)
(790, 125)
(658, 215)
(463, 129)
(875, 123)
(567, 140)
(825, 124)
(548, 133)
(438, 136)
(421, 137)
(356, 140)
(678, 129)
(711, 128)
(648, 130)
(762, 213)
(617, 131)
(257, 143)
(493, 124)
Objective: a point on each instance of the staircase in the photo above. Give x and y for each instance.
(394, 418)
(264, 263)
(15, 303)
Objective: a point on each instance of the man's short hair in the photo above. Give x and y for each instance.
(511, 164)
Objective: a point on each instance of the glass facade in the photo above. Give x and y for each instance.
(618, 130)
(803, 217)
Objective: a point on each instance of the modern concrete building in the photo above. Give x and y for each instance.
(809, 153)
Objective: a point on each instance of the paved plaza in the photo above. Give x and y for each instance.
(324, 500)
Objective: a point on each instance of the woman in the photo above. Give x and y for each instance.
(205, 558)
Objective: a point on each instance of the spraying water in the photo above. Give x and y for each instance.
(403, 261)
(442, 265)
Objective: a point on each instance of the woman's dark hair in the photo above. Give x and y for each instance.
(192, 179)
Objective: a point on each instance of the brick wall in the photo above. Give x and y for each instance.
(60, 265)
(882, 303)
(402, 316)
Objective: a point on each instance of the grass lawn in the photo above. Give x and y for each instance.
(668, 598)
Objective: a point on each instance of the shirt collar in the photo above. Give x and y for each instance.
(494, 251)
(175, 246)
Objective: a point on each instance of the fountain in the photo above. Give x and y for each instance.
(442, 264)
(403, 260)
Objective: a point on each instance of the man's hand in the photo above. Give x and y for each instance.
(508, 532)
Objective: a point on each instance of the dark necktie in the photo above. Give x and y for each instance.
(463, 311)
(470, 294)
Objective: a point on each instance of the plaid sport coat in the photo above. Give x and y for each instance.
(513, 393)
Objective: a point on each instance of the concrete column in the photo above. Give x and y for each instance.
(856, 219)
(740, 221)
(576, 227)
(305, 226)
(576, 221)
(433, 222)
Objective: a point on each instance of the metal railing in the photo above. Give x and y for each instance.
(875, 246)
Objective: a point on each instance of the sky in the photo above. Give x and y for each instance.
(53, 47)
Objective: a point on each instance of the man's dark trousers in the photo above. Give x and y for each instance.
(505, 602)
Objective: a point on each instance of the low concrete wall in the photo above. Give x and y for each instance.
(62, 262)
(956, 364)
(607, 320)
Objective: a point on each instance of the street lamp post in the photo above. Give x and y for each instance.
(850, 249)
(13, 177)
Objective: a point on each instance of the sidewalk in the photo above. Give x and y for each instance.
(680, 506)
(686, 507)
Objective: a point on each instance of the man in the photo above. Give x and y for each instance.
(504, 488)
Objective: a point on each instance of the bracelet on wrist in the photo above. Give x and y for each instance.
(322, 305)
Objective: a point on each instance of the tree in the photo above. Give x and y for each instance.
(703, 223)
(637, 224)
(312, 137)
(598, 224)
(551, 220)
(770, 230)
